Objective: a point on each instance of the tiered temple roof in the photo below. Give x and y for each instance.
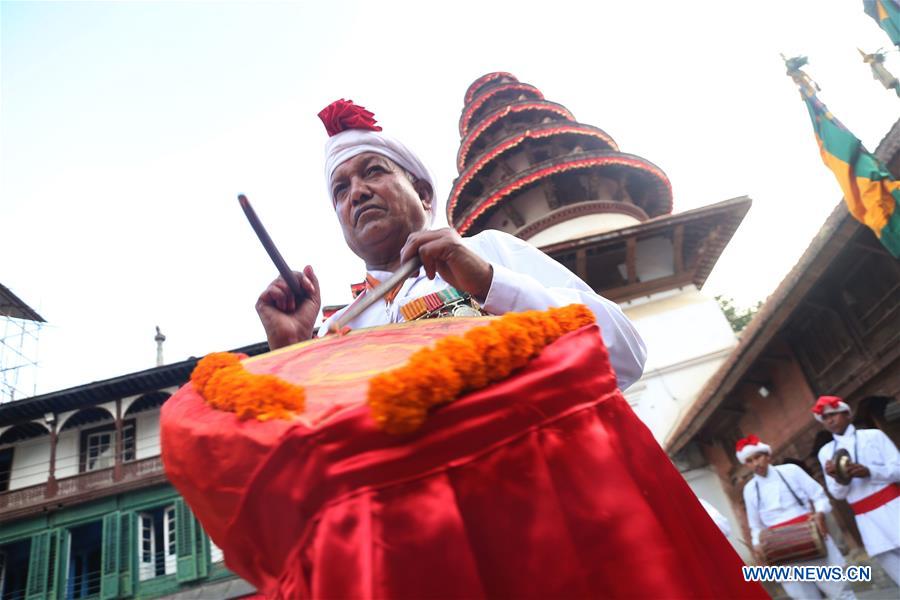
(528, 168)
(525, 164)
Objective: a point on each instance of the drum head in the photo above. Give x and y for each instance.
(335, 370)
(841, 461)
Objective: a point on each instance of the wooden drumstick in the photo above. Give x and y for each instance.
(378, 292)
(269, 245)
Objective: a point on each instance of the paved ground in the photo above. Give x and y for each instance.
(880, 588)
(881, 585)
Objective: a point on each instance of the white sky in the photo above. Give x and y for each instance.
(128, 129)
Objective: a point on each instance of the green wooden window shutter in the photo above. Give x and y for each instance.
(185, 543)
(42, 566)
(36, 586)
(127, 556)
(109, 558)
(58, 563)
(202, 549)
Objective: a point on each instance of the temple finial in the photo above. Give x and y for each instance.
(807, 86)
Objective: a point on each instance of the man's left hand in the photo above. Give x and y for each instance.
(442, 252)
(858, 470)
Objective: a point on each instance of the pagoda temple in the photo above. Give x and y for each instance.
(528, 168)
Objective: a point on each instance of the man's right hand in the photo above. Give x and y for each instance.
(829, 468)
(759, 554)
(286, 322)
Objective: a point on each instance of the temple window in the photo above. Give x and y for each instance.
(872, 301)
(606, 267)
(98, 446)
(14, 559)
(156, 543)
(215, 553)
(654, 258)
(6, 459)
(84, 564)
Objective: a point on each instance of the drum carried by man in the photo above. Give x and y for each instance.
(786, 512)
(457, 457)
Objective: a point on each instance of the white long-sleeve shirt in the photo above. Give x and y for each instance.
(775, 502)
(879, 528)
(524, 279)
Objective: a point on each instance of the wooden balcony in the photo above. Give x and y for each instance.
(53, 495)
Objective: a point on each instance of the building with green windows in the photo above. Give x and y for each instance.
(85, 508)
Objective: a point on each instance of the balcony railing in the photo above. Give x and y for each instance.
(19, 503)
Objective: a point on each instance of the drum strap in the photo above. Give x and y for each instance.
(790, 489)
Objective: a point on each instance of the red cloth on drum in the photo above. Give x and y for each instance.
(795, 520)
(545, 485)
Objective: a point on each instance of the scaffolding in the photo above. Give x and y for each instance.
(20, 329)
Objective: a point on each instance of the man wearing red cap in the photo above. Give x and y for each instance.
(870, 481)
(784, 495)
(384, 199)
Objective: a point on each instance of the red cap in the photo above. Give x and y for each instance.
(832, 402)
(750, 440)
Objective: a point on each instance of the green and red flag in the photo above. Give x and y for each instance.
(871, 192)
(887, 14)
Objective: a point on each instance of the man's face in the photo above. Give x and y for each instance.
(836, 422)
(378, 206)
(759, 462)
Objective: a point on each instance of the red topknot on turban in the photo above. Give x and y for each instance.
(342, 115)
(827, 405)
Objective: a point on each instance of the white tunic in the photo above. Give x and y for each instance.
(776, 504)
(879, 528)
(524, 279)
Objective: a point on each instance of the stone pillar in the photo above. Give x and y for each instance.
(117, 470)
(52, 486)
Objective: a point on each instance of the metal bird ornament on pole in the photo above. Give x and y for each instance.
(880, 73)
(808, 87)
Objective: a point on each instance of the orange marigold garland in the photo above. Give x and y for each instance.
(399, 400)
(225, 384)
(211, 363)
(462, 351)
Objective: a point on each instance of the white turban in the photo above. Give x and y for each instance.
(350, 141)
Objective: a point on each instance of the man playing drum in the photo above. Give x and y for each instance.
(868, 477)
(384, 199)
(785, 495)
(541, 483)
